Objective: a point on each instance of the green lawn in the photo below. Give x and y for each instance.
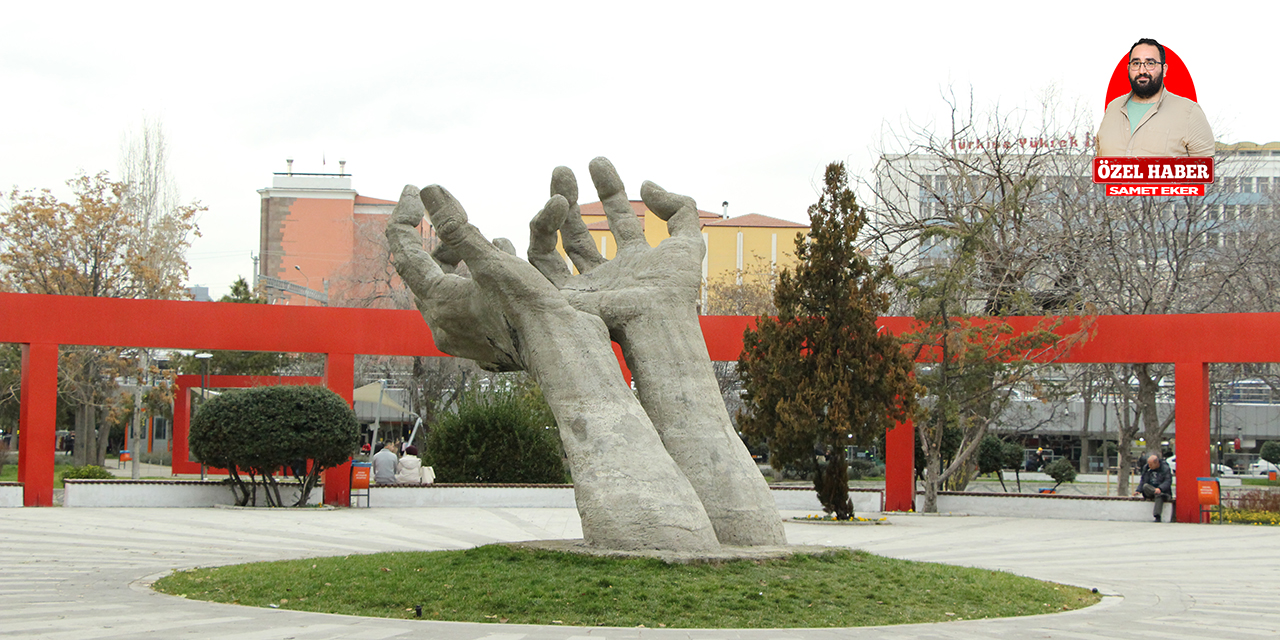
(1259, 482)
(520, 586)
(10, 473)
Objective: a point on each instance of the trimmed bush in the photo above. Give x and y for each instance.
(501, 437)
(264, 429)
(87, 472)
(1061, 470)
(1271, 451)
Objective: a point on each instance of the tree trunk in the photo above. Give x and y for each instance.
(82, 444)
(832, 484)
(1153, 430)
(103, 430)
(1124, 444)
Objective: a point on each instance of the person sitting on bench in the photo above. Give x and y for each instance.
(1157, 483)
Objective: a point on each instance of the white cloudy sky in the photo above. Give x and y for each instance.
(740, 101)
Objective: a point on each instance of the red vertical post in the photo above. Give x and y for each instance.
(181, 436)
(37, 423)
(339, 377)
(899, 468)
(1191, 435)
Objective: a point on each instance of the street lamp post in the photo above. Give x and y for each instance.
(305, 297)
(203, 357)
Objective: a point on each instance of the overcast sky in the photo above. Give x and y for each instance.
(744, 102)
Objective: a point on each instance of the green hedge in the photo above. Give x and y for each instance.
(87, 472)
(262, 429)
(497, 438)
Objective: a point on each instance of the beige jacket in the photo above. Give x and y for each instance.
(1174, 126)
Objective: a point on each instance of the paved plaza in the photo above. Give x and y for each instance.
(83, 573)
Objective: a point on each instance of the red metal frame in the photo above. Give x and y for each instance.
(41, 323)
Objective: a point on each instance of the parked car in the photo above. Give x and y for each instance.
(1262, 468)
(1215, 469)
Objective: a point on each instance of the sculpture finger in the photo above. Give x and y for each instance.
(578, 243)
(680, 212)
(448, 258)
(542, 240)
(450, 220)
(505, 246)
(415, 266)
(626, 227)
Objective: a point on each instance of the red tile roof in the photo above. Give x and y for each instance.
(367, 200)
(597, 209)
(755, 220)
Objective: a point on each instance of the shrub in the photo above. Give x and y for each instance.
(1061, 470)
(860, 468)
(996, 455)
(263, 429)
(1271, 451)
(499, 437)
(87, 472)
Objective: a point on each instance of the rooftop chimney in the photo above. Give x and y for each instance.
(725, 204)
(290, 163)
(342, 167)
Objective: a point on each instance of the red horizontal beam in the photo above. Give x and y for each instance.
(73, 320)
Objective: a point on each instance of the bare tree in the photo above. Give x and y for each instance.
(973, 219)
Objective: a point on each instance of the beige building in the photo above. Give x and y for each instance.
(747, 244)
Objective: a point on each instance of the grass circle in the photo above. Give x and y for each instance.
(501, 584)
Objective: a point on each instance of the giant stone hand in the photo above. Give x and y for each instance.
(647, 297)
(630, 494)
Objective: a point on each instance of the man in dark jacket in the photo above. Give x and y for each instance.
(1157, 483)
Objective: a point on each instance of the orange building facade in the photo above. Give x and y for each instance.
(321, 243)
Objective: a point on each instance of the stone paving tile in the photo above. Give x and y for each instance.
(82, 573)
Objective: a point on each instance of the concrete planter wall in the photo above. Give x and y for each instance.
(163, 493)
(561, 496)
(194, 493)
(806, 499)
(1049, 506)
(10, 494)
(496, 496)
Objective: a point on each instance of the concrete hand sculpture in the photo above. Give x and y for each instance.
(647, 297)
(629, 492)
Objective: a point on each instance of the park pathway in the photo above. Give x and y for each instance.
(82, 573)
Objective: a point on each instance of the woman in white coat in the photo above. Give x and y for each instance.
(410, 469)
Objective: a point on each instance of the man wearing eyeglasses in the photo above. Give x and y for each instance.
(1149, 120)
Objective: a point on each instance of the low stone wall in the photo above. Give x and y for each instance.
(164, 493)
(806, 499)
(514, 496)
(1050, 506)
(10, 494)
(195, 493)
(498, 496)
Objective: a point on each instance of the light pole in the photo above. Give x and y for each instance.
(203, 357)
(304, 275)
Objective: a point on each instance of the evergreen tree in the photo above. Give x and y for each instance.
(820, 377)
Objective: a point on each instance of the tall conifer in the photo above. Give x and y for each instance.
(820, 377)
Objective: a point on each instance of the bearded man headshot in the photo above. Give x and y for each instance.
(1150, 120)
